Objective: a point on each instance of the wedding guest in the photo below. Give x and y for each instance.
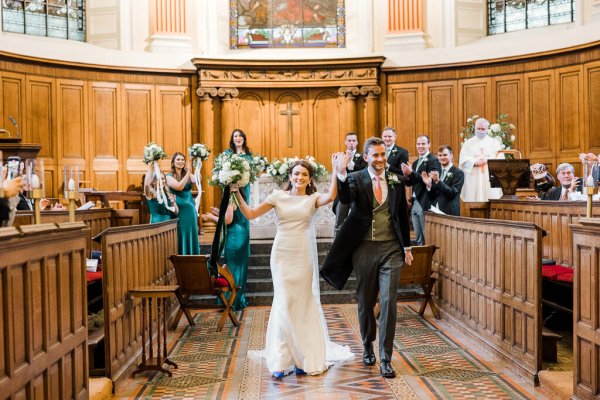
(444, 190)
(297, 336)
(427, 163)
(565, 173)
(180, 181)
(374, 242)
(395, 155)
(158, 211)
(8, 204)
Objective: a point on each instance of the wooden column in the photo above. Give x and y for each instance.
(208, 136)
(405, 16)
(168, 16)
(228, 122)
(349, 94)
(371, 110)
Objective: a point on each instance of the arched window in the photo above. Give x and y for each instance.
(515, 15)
(63, 19)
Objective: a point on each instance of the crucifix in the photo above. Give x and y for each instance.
(290, 113)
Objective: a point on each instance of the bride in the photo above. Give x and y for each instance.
(297, 337)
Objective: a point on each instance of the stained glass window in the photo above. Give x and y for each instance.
(63, 19)
(515, 15)
(286, 23)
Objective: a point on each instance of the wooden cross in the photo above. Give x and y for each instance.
(290, 113)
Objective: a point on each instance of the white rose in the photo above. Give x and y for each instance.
(282, 169)
(511, 126)
(503, 146)
(495, 128)
(498, 138)
(512, 138)
(227, 164)
(469, 120)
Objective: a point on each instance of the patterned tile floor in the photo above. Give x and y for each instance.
(430, 361)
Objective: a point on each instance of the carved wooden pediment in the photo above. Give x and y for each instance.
(288, 74)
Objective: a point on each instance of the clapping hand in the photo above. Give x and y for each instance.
(406, 169)
(435, 176)
(574, 183)
(426, 179)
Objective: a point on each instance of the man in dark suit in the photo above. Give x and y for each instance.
(565, 173)
(427, 163)
(374, 242)
(445, 190)
(357, 162)
(395, 154)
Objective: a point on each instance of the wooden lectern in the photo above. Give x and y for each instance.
(509, 175)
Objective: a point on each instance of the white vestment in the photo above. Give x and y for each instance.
(477, 178)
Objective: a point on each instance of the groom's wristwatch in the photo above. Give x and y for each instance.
(408, 249)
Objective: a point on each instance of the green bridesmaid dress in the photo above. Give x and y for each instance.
(187, 227)
(158, 212)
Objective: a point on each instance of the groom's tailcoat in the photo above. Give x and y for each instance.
(357, 189)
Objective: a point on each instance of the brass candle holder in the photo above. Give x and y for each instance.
(71, 195)
(589, 191)
(36, 195)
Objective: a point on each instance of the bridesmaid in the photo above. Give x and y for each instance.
(158, 212)
(180, 181)
(237, 246)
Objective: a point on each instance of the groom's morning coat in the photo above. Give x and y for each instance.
(358, 190)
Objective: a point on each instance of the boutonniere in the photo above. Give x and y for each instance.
(393, 151)
(357, 155)
(393, 179)
(448, 176)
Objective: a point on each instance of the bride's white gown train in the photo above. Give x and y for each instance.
(297, 333)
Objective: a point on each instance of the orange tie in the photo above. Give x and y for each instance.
(377, 190)
(564, 196)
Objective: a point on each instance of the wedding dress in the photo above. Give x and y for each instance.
(297, 333)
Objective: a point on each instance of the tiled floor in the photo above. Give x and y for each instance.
(430, 360)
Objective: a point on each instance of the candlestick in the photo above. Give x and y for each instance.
(1, 175)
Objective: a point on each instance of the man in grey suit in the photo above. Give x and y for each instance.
(374, 241)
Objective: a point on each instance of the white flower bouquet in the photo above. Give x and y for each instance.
(279, 169)
(231, 169)
(153, 152)
(199, 150)
(260, 164)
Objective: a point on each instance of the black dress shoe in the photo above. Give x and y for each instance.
(368, 354)
(386, 370)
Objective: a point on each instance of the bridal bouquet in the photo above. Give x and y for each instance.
(198, 152)
(231, 168)
(153, 152)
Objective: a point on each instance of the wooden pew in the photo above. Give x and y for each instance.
(44, 330)
(586, 315)
(132, 256)
(97, 219)
(131, 200)
(489, 284)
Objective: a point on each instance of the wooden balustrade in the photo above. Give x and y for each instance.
(552, 216)
(43, 312)
(490, 284)
(132, 256)
(586, 310)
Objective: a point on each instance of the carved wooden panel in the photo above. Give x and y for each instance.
(132, 256)
(552, 216)
(12, 101)
(586, 311)
(104, 125)
(489, 284)
(540, 111)
(254, 119)
(288, 140)
(592, 108)
(475, 97)
(440, 111)
(325, 130)
(405, 104)
(44, 312)
(569, 113)
(507, 98)
(173, 118)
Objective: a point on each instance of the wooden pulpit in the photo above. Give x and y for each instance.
(509, 175)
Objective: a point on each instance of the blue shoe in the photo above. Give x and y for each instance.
(299, 371)
(278, 374)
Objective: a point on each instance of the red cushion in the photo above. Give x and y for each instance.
(220, 282)
(93, 276)
(557, 273)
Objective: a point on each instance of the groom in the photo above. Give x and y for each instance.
(374, 242)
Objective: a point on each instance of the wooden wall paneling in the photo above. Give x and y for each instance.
(12, 102)
(405, 113)
(490, 284)
(591, 95)
(174, 118)
(41, 126)
(253, 118)
(441, 114)
(138, 124)
(539, 102)
(475, 97)
(507, 98)
(327, 112)
(280, 143)
(569, 115)
(105, 135)
(586, 311)
(72, 127)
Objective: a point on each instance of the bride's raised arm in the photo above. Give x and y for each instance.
(248, 212)
(339, 161)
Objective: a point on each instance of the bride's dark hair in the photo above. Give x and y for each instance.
(311, 188)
